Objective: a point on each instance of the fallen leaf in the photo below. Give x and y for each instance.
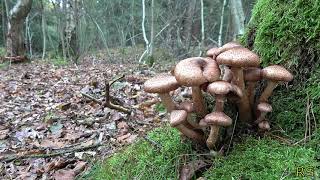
(69, 174)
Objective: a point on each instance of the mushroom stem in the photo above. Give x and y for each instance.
(198, 101)
(219, 103)
(227, 76)
(261, 117)
(251, 92)
(213, 136)
(167, 101)
(195, 135)
(268, 91)
(244, 105)
(192, 122)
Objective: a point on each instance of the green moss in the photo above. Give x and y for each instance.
(286, 32)
(290, 107)
(263, 159)
(143, 160)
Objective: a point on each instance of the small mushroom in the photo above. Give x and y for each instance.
(177, 120)
(274, 74)
(193, 72)
(214, 52)
(264, 125)
(263, 108)
(220, 89)
(215, 120)
(238, 58)
(188, 106)
(252, 76)
(163, 84)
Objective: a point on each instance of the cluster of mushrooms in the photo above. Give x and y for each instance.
(237, 84)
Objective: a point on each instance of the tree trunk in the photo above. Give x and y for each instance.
(43, 23)
(221, 23)
(152, 29)
(202, 29)
(189, 23)
(237, 18)
(4, 20)
(15, 41)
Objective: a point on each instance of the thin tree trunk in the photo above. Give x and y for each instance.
(28, 38)
(4, 20)
(61, 28)
(202, 28)
(133, 42)
(152, 29)
(237, 18)
(143, 25)
(144, 31)
(221, 23)
(43, 23)
(189, 23)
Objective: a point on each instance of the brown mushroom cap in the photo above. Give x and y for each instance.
(252, 74)
(187, 106)
(196, 71)
(213, 52)
(276, 73)
(264, 125)
(211, 71)
(218, 118)
(264, 107)
(223, 87)
(162, 83)
(239, 57)
(229, 46)
(178, 117)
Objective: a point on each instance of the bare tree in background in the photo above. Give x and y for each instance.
(237, 18)
(15, 41)
(43, 24)
(221, 23)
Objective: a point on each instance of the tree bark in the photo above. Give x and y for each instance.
(202, 29)
(189, 23)
(15, 42)
(4, 20)
(152, 29)
(237, 18)
(43, 23)
(221, 23)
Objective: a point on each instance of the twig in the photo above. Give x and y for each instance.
(108, 102)
(115, 80)
(92, 98)
(152, 142)
(234, 127)
(26, 156)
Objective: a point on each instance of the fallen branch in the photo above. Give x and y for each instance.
(108, 102)
(60, 152)
(92, 98)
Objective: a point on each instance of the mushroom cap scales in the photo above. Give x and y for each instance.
(196, 71)
(218, 119)
(264, 107)
(162, 83)
(276, 73)
(223, 87)
(239, 57)
(178, 117)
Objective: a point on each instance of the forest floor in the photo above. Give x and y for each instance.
(52, 122)
(53, 125)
